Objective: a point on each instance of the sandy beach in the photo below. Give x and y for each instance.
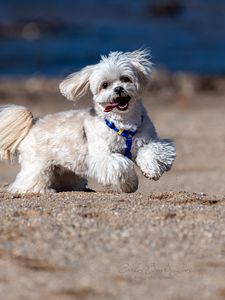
(166, 241)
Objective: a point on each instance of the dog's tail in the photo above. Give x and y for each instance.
(15, 123)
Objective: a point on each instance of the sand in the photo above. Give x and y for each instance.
(166, 241)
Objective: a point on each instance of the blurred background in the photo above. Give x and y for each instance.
(42, 41)
(53, 37)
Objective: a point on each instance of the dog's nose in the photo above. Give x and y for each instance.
(118, 90)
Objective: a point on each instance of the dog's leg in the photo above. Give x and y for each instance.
(155, 158)
(33, 178)
(113, 170)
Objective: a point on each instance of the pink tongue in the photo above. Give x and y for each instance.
(110, 107)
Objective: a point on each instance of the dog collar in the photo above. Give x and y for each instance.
(127, 134)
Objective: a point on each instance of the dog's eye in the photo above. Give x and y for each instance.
(125, 79)
(105, 85)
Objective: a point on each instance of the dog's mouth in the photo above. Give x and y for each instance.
(121, 103)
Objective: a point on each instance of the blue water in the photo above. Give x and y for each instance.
(193, 40)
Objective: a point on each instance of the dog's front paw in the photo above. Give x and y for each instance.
(128, 182)
(156, 158)
(127, 179)
(154, 176)
(114, 170)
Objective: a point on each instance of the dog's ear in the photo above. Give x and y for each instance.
(76, 85)
(142, 63)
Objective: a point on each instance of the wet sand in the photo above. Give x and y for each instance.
(166, 241)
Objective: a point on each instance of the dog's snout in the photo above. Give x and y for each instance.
(118, 90)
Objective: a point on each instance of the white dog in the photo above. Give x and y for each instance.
(61, 151)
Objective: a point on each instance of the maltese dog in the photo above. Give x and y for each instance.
(60, 152)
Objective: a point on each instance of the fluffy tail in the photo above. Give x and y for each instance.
(15, 123)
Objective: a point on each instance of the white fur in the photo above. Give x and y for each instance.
(15, 122)
(61, 151)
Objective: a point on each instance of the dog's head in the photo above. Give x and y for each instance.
(116, 82)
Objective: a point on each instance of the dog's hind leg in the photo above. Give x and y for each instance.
(33, 178)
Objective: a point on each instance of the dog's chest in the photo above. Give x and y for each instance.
(102, 139)
(118, 143)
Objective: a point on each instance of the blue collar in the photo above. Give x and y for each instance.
(127, 134)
